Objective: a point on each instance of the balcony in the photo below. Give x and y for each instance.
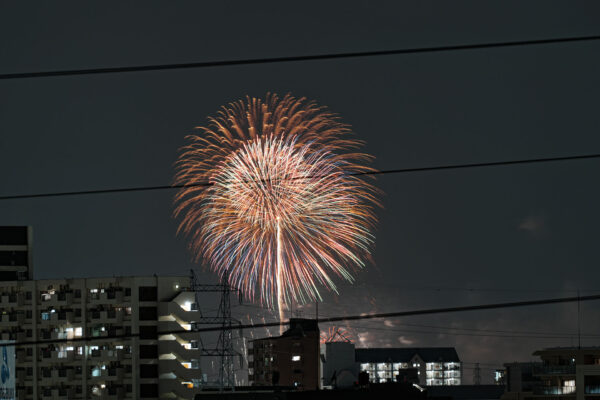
(554, 370)
(592, 389)
(106, 297)
(56, 299)
(112, 355)
(13, 319)
(13, 299)
(554, 390)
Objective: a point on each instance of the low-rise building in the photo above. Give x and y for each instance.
(436, 366)
(428, 366)
(291, 359)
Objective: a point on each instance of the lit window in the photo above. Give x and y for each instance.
(78, 331)
(295, 358)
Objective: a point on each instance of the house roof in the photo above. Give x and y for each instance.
(406, 354)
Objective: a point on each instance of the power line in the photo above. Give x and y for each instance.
(382, 172)
(313, 57)
(430, 311)
(492, 332)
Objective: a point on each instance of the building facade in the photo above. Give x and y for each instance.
(291, 359)
(15, 253)
(112, 365)
(518, 377)
(565, 373)
(427, 366)
(436, 366)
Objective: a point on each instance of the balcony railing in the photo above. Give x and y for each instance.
(553, 390)
(592, 389)
(554, 370)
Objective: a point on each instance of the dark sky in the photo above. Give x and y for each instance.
(445, 238)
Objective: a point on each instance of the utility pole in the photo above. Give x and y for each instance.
(476, 375)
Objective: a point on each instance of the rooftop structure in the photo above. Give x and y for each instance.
(15, 253)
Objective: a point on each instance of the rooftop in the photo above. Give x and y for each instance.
(406, 354)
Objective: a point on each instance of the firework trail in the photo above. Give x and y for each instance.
(337, 334)
(287, 210)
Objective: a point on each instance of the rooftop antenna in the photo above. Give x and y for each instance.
(578, 320)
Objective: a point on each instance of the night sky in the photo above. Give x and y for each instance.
(445, 238)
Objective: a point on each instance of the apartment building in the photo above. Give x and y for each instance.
(113, 365)
(436, 366)
(291, 359)
(15, 253)
(428, 366)
(565, 373)
(568, 372)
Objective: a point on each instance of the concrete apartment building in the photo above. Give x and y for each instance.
(566, 373)
(144, 366)
(432, 366)
(291, 359)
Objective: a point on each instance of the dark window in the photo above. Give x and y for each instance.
(148, 370)
(29, 371)
(128, 293)
(29, 314)
(27, 295)
(29, 333)
(13, 258)
(148, 293)
(148, 314)
(148, 332)
(29, 351)
(148, 390)
(78, 312)
(13, 235)
(148, 351)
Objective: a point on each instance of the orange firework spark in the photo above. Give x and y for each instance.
(337, 334)
(286, 210)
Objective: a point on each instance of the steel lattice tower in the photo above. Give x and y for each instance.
(224, 348)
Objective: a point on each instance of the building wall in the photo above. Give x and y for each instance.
(294, 358)
(15, 253)
(565, 373)
(144, 366)
(339, 359)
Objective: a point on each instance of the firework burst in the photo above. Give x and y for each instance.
(286, 210)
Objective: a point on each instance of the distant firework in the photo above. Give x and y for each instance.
(337, 334)
(285, 211)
